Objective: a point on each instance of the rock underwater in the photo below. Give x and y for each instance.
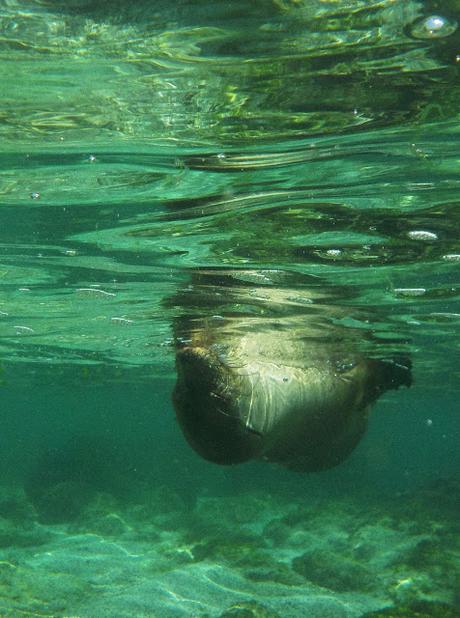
(265, 372)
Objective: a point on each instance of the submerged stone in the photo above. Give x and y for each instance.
(249, 609)
(14, 506)
(62, 502)
(332, 570)
(423, 609)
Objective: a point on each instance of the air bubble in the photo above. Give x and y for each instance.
(23, 330)
(451, 257)
(121, 320)
(409, 291)
(433, 27)
(422, 235)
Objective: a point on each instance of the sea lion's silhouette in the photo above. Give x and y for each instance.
(281, 380)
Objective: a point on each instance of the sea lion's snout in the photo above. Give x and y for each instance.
(206, 403)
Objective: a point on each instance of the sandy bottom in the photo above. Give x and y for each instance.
(71, 552)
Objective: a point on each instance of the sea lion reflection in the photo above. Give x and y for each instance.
(292, 389)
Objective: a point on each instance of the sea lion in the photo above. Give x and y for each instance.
(290, 388)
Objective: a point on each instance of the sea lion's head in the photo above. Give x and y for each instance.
(271, 375)
(270, 393)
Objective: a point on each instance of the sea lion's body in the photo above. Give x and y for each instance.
(291, 390)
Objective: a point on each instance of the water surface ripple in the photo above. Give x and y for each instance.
(313, 141)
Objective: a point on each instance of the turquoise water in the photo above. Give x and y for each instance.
(268, 191)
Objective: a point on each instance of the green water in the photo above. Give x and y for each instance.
(164, 164)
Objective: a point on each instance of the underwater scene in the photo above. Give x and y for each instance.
(229, 309)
